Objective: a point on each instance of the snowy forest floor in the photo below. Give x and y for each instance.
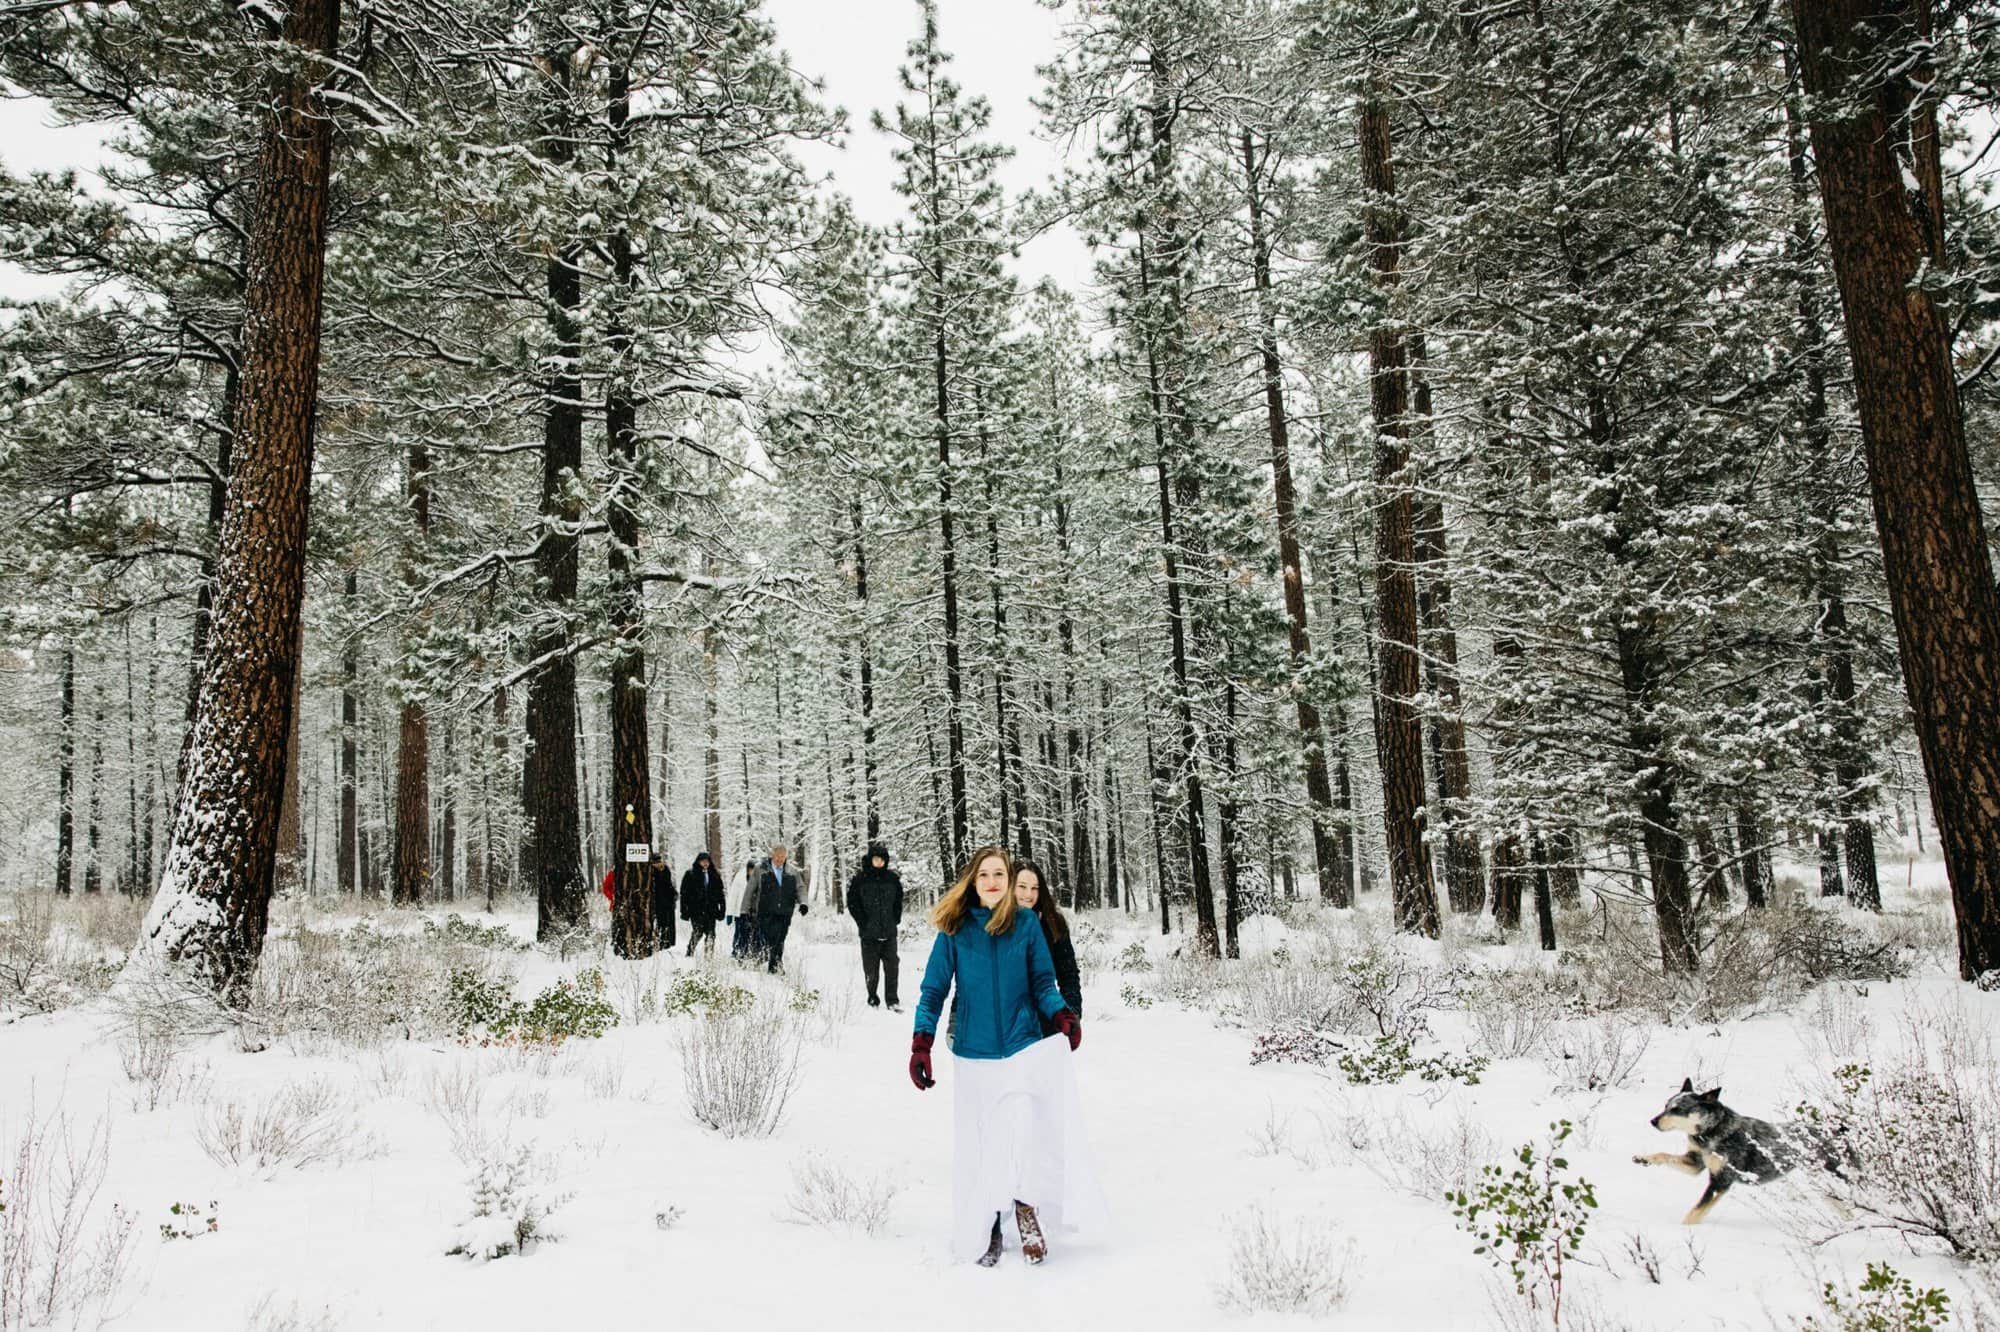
(359, 1128)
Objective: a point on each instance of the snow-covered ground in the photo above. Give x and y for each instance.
(664, 1223)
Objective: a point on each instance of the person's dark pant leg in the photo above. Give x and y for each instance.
(871, 965)
(890, 966)
(774, 945)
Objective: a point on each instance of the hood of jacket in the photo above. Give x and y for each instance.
(875, 849)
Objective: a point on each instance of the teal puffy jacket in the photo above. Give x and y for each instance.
(1006, 985)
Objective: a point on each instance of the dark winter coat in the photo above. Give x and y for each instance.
(875, 897)
(663, 899)
(1006, 985)
(703, 901)
(1062, 954)
(777, 899)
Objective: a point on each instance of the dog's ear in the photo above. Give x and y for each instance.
(1712, 1095)
(1687, 1085)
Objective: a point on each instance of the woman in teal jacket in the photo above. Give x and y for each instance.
(1010, 1098)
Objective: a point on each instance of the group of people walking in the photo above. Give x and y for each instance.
(1002, 979)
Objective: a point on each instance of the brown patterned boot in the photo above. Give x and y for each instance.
(1033, 1247)
(992, 1254)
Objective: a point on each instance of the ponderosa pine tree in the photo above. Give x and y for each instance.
(207, 922)
(1876, 149)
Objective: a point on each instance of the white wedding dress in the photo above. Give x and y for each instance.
(1020, 1136)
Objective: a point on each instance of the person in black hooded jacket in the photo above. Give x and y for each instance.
(875, 900)
(703, 902)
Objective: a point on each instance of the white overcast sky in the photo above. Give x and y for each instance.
(854, 47)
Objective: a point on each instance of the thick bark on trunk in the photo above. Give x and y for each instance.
(1940, 573)
(954, 678)
(549, 785)
(1399, 738)
(1510, 868)
(411, 882)
(207, 922)
(410, 878)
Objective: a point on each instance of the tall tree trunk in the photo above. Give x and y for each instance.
(209, 917)
(711, 753)
(1083, 878)
(948, 864)
(954, 681)
(1545, 910)
(1312, 741)
(1156, 798)
(632, 933)
(1873, 139)
(412, 879)
(128, 878)
(1400, 738)
(1227, 818)
(1850, 759)
(1753, 856)
(864, 650)
(1014, 828)
(66, 776)
(1451, 768)
(93, 834)
(150, 801)
(446, 876)
(347, 853)
(549, 785)
(1196, 818)
(500, 847)
(1114, 808)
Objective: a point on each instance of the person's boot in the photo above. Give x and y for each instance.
(992, 1254)
(1033, 1246)
(874, 1002)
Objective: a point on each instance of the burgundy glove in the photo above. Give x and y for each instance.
(1070, 1025)
(920, 1061)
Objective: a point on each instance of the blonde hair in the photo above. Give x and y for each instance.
(956, 905)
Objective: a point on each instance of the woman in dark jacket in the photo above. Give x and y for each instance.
(703, 902)
(1028, 880)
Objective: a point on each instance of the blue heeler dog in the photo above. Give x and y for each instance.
(1732, 1147)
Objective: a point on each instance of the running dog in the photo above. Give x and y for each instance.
(1729, 1146)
